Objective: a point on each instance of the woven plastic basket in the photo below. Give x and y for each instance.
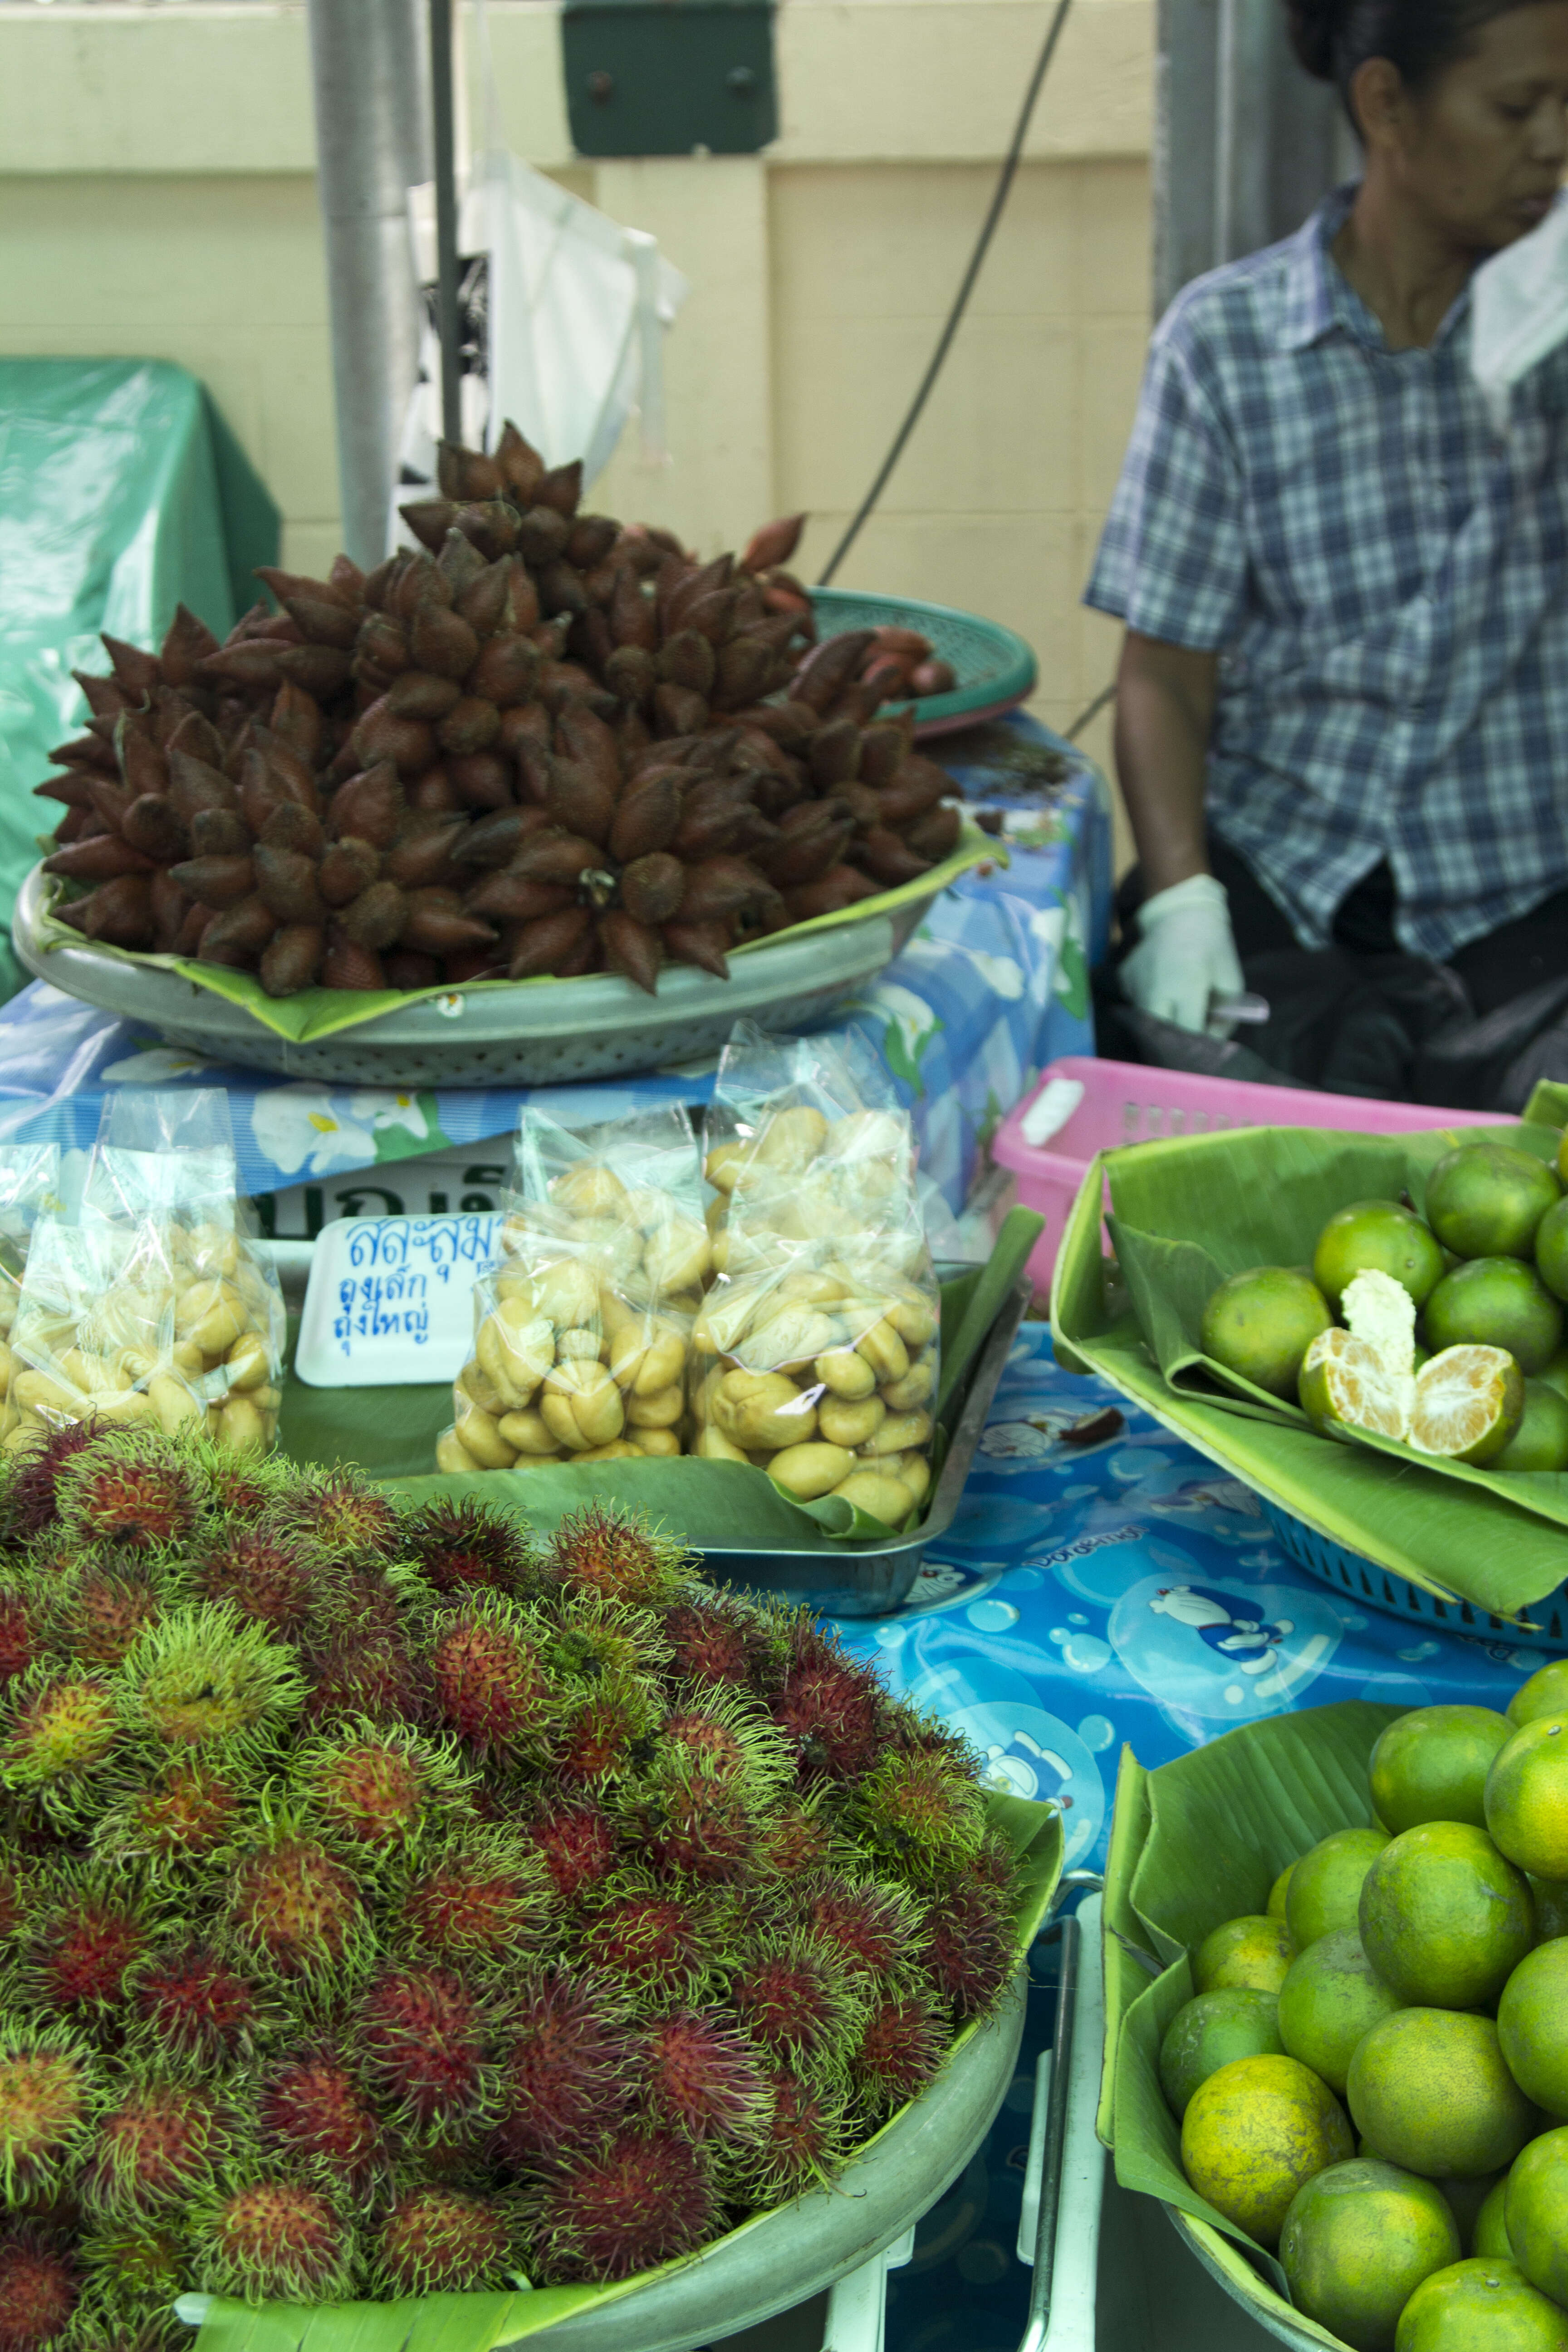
(996, 669)
(1363, 1580)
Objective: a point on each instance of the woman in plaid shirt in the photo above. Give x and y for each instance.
(1343, 706)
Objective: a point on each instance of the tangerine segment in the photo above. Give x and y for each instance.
(1469, 1402)
(1345, 1385)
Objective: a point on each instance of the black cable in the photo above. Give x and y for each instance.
(1095, 708)
(960, 304)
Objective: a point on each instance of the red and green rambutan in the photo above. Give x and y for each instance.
(428, 2041)
(491, 1688)
(131, 2273)
(799, 2000)
(731, 1737)
(482, 1897)
(208, 1677)
(267, 1576)
(875, 1926)
(902, 2049)
(49, 2091)
(435, 2239)
(192, 2002)
(312, 2107)
(691, 1824)
(29, 1501)
(376, 1676)
(298, 1910)
(638, 2200)
(652, 1939)
(830, 1712)
(717, 1638)
(703, 2077)
(460, 1547)
(604, 1551)
(154, 2147)
(131, 1489)
(14, 1895)
(567, 2068)
(969, 1958)
(40, 2284)
(184, 1814)
(803, 2143)
(607, 1733)
(577, 1842)
(59, 1729)
(89, 1935)
(925, 1810)
(372, 1788)
(802, 1839)
(265, 2235)
(344, 1516)
(104, 1610)
(21, 1609)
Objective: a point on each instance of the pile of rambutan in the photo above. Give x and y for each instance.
(394, 1901)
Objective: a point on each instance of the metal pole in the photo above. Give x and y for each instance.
(446, 217)
(371, 146)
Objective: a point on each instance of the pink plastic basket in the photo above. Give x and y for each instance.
(1123, 1103)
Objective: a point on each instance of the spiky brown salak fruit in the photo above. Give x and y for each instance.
(539, 742)
(395, 1902)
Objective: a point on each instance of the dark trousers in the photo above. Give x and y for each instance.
(1520, 956)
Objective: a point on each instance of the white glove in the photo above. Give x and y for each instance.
(1185, 954)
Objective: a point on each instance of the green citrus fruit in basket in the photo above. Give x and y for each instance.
(1252, 1952)
(1551, 1899)
(1467, 1404)
(1541, 1441)
(1484, 2305)
(1496, 1302)
(1490, 2236)
(1429, 2090)
(1445, 1919)
(1254, 2133)
(1466, 2200)
(1555, 1374)
(1345, 1384)
(1536, 2213)
(1431, 1765)
(1487, 1199)
(1325, 1891)
(1546, 1692)
(1331, 2000)
(1532, 2025)
(1357, 2243)
(1551, 1250)
(1279, 1892)
(1212, 2032)
(1527, 1797)
(1259, 1326)
(1377, 1237)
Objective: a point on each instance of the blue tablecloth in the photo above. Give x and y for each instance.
(1130, 1592)
(993, 986)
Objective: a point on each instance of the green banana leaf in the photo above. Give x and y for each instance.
(483, 2323)
(323, 1011)
(716, 1505)
(1209, 1834)
(1188, 1211)
(1548, 1106)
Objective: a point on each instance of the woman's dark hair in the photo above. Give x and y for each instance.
(1335, 38)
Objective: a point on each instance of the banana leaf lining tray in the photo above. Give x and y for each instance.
(1188, 1211)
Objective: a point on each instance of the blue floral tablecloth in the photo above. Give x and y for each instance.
(1130, 1592)
(994, 985)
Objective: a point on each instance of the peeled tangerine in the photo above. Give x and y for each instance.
(1463, 1406)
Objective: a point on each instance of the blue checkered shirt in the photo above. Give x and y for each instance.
(1386, 579)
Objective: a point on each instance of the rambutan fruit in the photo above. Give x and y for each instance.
(59, 1729)
(48, 2091)
(296, 1908)
(729, 1736)
(996, 1865)
(89, 1938)
(693, 1826)
(874, 1926)
(132, 2271)
(264, 2235)
(577, 1842)
(265, 1576)
(491, 1687)
(803, 2143)
(312, 2108)
(19, 1636)
(155, 2148)
(427, 2043)
(109, 1605)
(13, 1901)
(720, 1638)
(607, 1551)
(801, 1840)
(652, 1940)
(376, 1677)
(206, 1676)
(129, 1489)
(435, 2239)
(799, 2002)
(374, 1787)
(925, 1812)
(190, 2003)
(567, 2072)
(482, 1897)
(40, 2283)
(704, 2078)
(344, 1516)
(969, 1956)
(183, 1814)
(29, 1497)
(461, 1547)
(637, 2201)
(902, 2047)
(606, 1734)
(830, 1713)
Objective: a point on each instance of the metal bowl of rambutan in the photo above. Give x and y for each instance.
(395, 1904)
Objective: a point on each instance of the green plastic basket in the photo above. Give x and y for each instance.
(996, 670)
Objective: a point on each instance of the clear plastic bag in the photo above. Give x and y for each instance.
(582, 1333)
(156, 1305)
(30, 1189)
(815, 1352)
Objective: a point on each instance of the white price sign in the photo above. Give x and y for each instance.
(390, 1300)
